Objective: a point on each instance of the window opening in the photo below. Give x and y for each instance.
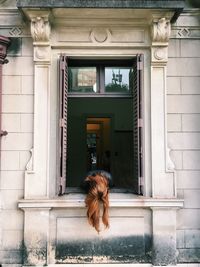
(83, 120)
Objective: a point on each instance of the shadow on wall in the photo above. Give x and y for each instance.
(193, 3)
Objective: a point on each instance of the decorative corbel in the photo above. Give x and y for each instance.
(161, 30)
(160, 34)
(40, 31)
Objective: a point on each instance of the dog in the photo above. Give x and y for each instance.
(97, 184)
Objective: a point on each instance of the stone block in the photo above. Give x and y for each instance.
(177, 159)
(11, 85)
(180, 238)
(12, 219)
(17, 103)
(10, 198)
(190, 85)
(13, 257)
(188, 219)
(9, 160)
(173, 85)
(191, 67)
(190, 48)
(27, 46)
(15, 48)
(36, 234)
(188, 179)
(12, 180)
(183, 104)
(174, 48)
(191, 160)
(180, 193)
(164, 237)
(11, 122)
(27, 85)
(185, 21)
(192, 199)
(191, 122)
(174, 123)
(19, 66)
(12, 239)
(178, 141)
(189, 255)
(192, 238)
(17, 141)
(27, 123)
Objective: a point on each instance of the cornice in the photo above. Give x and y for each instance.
(175, 4)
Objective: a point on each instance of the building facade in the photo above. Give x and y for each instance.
(145, 59)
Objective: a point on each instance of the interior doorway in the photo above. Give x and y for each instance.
(98, 141)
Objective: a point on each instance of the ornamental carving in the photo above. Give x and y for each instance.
(161, 30)
(40, 29)
(100, 35)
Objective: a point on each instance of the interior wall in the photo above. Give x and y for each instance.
(118, 109)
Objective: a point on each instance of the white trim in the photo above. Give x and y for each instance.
(77, 201)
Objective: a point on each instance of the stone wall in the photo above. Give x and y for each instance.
(17, 120)
(183, 89)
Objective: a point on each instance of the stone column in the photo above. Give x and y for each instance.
(37, 170)
(163, 176)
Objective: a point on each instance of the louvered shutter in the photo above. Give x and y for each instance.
(63, 86)
(138, 126)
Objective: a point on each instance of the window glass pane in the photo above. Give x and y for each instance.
(118, 79)
(82, 79)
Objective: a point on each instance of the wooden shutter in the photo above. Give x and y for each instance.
(138, 126)
(63, 89)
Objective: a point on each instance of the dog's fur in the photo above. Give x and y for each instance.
(97, 185)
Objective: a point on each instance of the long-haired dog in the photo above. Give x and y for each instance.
(96, 185)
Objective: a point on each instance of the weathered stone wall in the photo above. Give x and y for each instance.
(183, 107)
(17, 120)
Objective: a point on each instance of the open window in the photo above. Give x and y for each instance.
(101, 121)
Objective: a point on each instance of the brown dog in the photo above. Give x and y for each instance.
(97, 185)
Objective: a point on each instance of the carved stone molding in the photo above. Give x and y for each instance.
(40, 29)
(100, 35)
(161, 30)
(29, 165)
(42, 53)
(159, 55)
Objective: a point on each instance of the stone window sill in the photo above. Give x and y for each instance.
(76, 200)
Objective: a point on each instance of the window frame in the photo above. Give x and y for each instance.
(100, 65)
(138, 67)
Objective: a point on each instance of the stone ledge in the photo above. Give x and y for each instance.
(103, 4)
(77, 201)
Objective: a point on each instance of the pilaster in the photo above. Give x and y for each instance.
(163, 177)
(164, 236)
(36, 236)
(37, 171)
